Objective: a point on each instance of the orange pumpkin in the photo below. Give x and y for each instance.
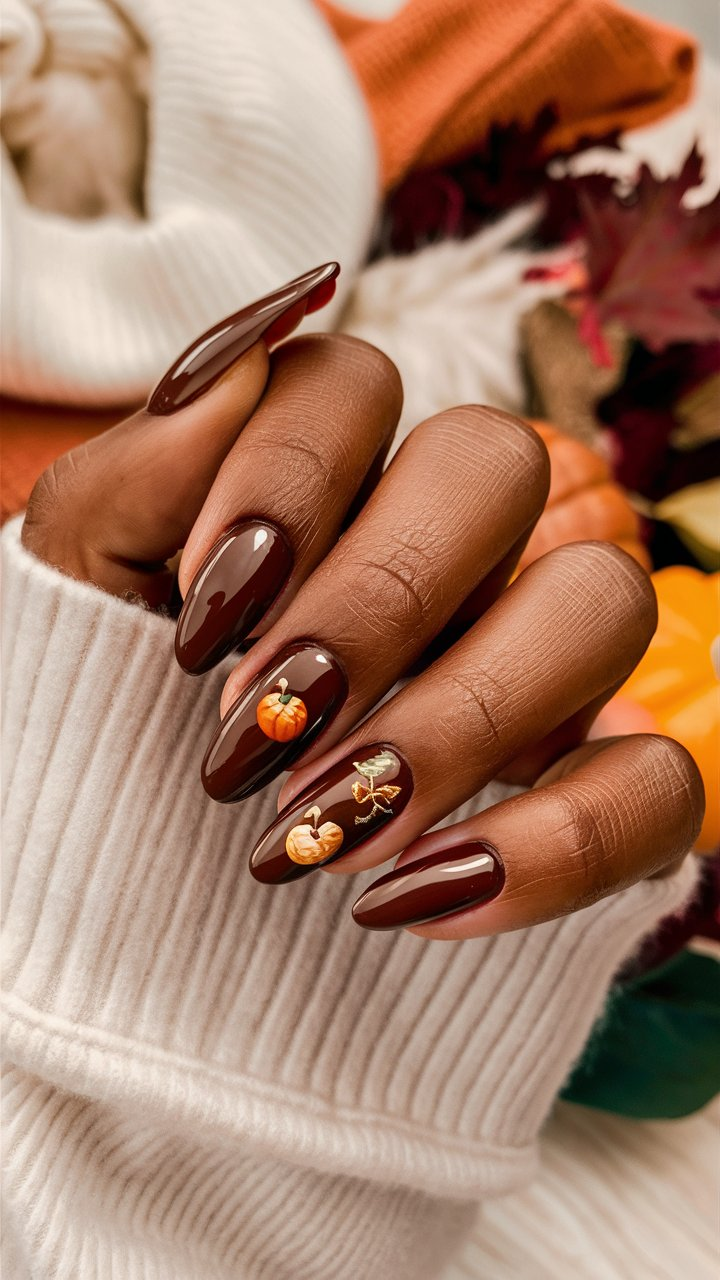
(584, 502)
(281, 716)
(309, 843)
(677, 681)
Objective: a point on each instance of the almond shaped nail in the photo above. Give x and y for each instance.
(348, 805)
(216, 350)
(441, 884)
(274, 721)
(231, 591)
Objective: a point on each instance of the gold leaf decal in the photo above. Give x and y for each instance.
(381, 797)
(361, 793)
(376, 765)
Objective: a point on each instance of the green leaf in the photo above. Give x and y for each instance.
(656, 1052)
(375, 766)
(694, 513)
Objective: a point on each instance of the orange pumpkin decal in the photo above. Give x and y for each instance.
(281, 716)
(310, 843)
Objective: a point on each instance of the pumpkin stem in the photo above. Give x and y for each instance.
(285, 697)
(315, 814)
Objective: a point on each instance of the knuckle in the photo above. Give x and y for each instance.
(611, 589)
(480, 700)
(342, 356)
(668, 773)
(52, 491)
(605, 566)
(57, 508)
(583, 827)
(488, 440)
(401, 587)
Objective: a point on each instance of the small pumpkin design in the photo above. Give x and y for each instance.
(281, 716)
(310, 843)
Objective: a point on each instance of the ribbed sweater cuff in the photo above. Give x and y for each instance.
(146, 967)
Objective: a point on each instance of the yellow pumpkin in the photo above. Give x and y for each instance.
(281, 716)
(677, 682)
(584, 502)
(310, 843)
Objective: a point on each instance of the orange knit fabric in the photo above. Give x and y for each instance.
(438, 73)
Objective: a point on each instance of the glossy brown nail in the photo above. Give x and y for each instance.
(350, 803)
(212, 354)
(441, 884)
(274, 721)
(234, 586)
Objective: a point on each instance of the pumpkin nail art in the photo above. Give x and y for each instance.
(308, 844)
(233, 588)
(274, 721)
(282, 716)
(348, 805)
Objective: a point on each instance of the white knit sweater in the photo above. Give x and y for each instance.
(208, 1079)
(212, 1078)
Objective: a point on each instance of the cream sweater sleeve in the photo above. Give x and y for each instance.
(207, 1078)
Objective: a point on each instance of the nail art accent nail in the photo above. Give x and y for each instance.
(274, 721)
(348, 805)
(212, 354)
(231, 591)
(441, 884)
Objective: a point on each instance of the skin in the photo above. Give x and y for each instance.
(297, 439)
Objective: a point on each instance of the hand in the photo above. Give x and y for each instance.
(255, 466)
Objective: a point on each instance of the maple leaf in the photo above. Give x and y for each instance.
(652, 265)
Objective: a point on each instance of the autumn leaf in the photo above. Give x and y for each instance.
(361, 793)
(652, 265)
(375, 766)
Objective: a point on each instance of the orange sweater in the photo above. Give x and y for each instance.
(438, 73)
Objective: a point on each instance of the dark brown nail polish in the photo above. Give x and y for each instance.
(441, 884)
(346, 806)
(234, 586)
(274, 721)
(212, 354)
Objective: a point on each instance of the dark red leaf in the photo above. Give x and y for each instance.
(653, 265)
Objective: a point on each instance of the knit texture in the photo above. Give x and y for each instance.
(438, 73)
(213, 1078)
(613, 1199)
(161, 166)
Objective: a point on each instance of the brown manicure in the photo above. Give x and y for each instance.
(274, 721)
(350, 803)
(234, 586)
(438, 885)
(211, 355)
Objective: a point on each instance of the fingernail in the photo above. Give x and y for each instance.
(231, 591)
(346, 806)
(274, 721)
(441, 884)
(212, 354)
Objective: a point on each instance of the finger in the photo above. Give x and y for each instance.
(116, 509)
(569, 628)
(397, 576)
(614, 813)
(529, 765)
(279, 500)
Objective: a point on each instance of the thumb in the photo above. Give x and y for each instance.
(115, 510)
